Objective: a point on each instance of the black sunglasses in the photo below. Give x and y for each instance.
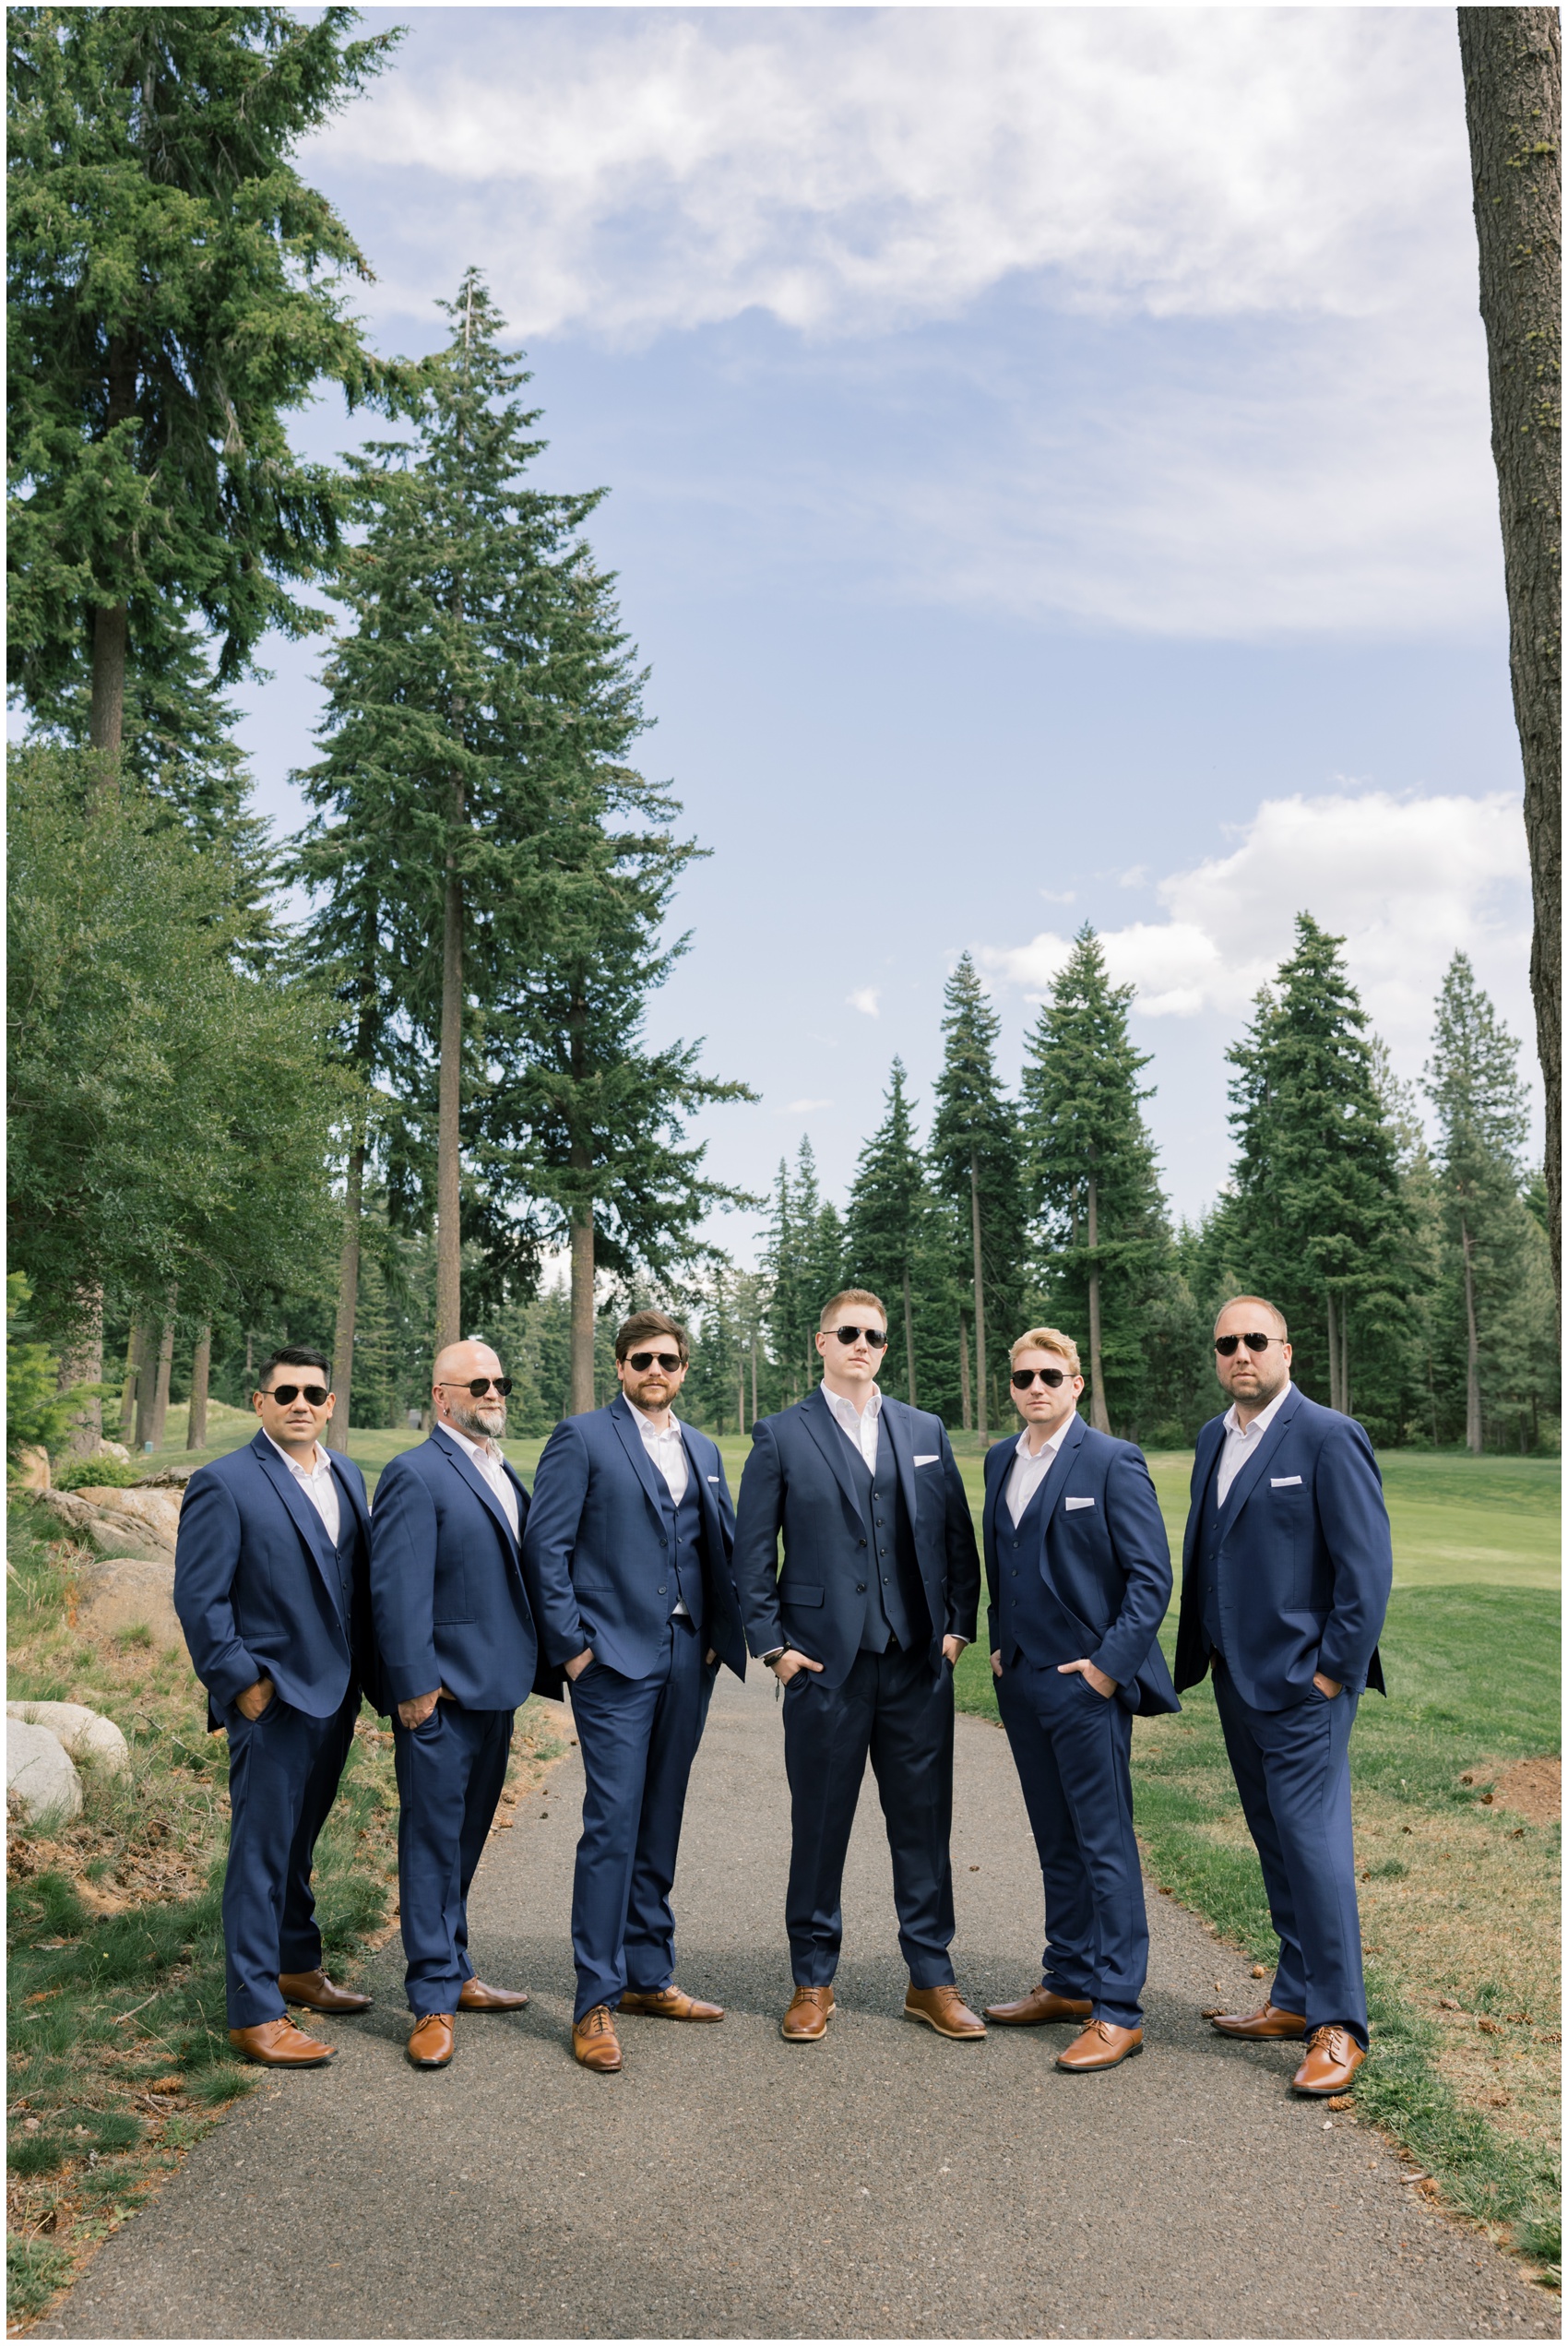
(1226, 1345)
(876, 1337)
(286, 1394)
(480, 1386)
(643, 1362)
(1024, 1377)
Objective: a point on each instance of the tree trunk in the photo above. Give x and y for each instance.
(1333, 1352)
(159, 1413)
(146, 1382)
(201, 1369)
(910, 1337)
(980, 1297)
(1099, 1416)
(347, 1294)
(581, 1399)
(753, 1378)
(1472, 1346)
(111, 634)
(741, 1394)
(1344, 1356)
(448, 1145)
(83, 1364)
(964, 1371)
(138, 1352)
(1512, 66)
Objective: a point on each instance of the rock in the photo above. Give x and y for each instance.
(42, 1783)
(114, 1450)
(152, 1513)
(129, 1592)
(29, 1468)
(85, 1734)
(170, 1478)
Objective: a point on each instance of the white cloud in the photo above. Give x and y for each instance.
(867, 998)
(1406, 881)
(804, 1107)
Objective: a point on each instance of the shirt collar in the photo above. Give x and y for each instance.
(848, 1415)
(484, 1449)
(1264, 1418)
(320, 1463)
(651, 1432)
(1046, 1449)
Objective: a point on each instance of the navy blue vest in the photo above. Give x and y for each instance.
(1211, 1531)
(683, 1531)
(1040, 1624)
(895, 1601)
(348, 1555)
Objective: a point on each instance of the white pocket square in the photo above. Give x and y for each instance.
(1284, 1482)
(927, 1458)
(713, 1478)
(1071, 1504)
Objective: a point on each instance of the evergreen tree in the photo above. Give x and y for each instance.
(1091, 1172)
(803, 1261)
(1317, 1221)
(976, 1169)
(900, 1245)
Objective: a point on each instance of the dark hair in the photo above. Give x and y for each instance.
(632, 1331)
(292, 1356)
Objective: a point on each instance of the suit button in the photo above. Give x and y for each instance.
(860, 1588)
(1014, 1572)
(863, 1543)
(661, 1588)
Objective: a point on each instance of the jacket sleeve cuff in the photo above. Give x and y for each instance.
(406, 1682)
(227, 1680)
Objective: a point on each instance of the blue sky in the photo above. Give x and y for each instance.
(1050, 480)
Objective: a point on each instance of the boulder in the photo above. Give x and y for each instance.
(29, 1468)
(129, 1592)
(114, 1450)
(41, 1783)
(170, 1478)
(151, 1513)
(85, 1734)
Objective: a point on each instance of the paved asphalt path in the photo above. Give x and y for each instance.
(885, 2182)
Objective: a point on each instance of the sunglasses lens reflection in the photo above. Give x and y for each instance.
(643, 1362)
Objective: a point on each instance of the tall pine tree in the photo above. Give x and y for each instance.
(976, 1169)
(899, 1243)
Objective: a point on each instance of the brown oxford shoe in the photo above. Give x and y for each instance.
(1041, 2003)
(1102, 2047)
(1333, 2059)
(943, 2009)
(1260, 2026)
(318, 1993)
(594, 2040)
(278, 2044)
(670, 2003)
(811, 2009)
(474, 1997)
(430, 2047)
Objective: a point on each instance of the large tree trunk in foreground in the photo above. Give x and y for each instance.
(1512, 64)
(1099, 1416)
(83, 1364)
(201, 1370)
(581, 1399)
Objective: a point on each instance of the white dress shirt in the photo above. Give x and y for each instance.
(488, 1460)
(665, 1448)
(1241, 1441)
(318, 1483)
(1029, 1470)
(857, 1426)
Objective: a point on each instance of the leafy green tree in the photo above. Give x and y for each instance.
(1092, 1176)
(38, 1414)
(899, 1243)
(976, 1169)
(174, 293)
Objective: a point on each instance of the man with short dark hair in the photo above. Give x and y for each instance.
(862, 1627)
(628, 1563)
(270, 1585)
(1287, 1568)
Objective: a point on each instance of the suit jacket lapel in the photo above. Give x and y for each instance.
(348, 1485)
(998, 1467)
(654, 1486)
(308, 1522)
(1246, 1482)
(478, 1485)
(1210, 1440)
(903, 1449)
(697, 1466)
(1056, 1475)
(824, 1431)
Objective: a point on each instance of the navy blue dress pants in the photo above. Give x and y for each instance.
(1292, 1770)
(1071, 1748)
(283, 1772)
(638, 1738)
(891, 1710)
(450, 1770)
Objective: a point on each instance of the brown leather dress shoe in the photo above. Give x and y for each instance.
(318, 1993)
(278, 2044)
(670, 2003)
(474, 1997)
(1262, 2026)
(1333, 2059)
(811, 2009)
(594, 2040)
(430, 2047)
(943, 2009)
(1041, 2003)
(1102, 2047)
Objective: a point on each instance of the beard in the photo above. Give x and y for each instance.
(481, 1421)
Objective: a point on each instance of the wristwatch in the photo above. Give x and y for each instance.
(767, 1660)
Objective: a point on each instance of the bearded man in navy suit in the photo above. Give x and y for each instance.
(1079, 1569)
(875, 1601)
(460, 1654)
(1287, 1568)
(270, 1585)
(626, 1559)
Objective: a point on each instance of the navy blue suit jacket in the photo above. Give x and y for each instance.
(598, 1549)
(1107, 1560)
(1306, 1560)
(800, 1480)
(256, 1583)
(446, 1583)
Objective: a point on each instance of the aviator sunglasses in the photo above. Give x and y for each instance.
(1226, 1345)
(479, 1386)
(286, 1395)
(1024, 1377)
(643, 1362)
(876, 1337)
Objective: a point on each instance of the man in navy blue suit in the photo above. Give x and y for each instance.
(1079, 1572)
(626, 1558)
(875, 1603)
(1286, 1567)
(460, 1654)
(270, 1585)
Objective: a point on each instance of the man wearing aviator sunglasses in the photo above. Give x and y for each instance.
(1286, 1573)
(628, 1563)
(271, 1588)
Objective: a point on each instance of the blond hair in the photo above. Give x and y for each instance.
(860, 1295)
(1046, 1340)
(1263, 1305)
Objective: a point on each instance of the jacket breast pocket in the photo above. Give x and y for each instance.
(795, 1592)
(451, 1607)
(1291, 1528)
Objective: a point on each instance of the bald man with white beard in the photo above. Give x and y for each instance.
(460, 1654)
